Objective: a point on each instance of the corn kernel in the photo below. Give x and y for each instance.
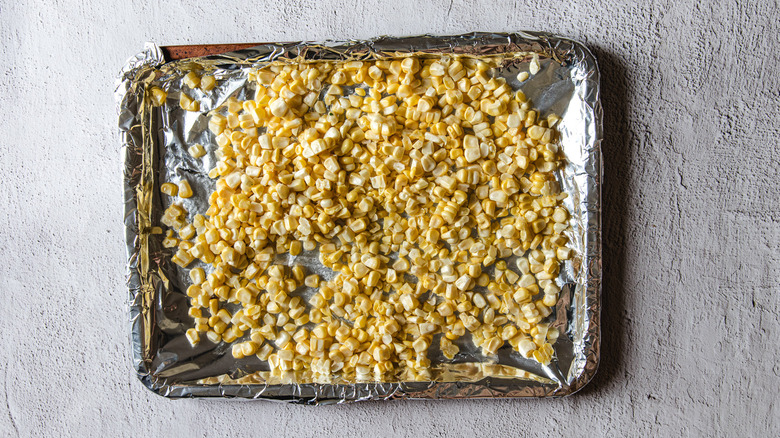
(193, 336)
(188, 104)
(207, 83)
(169, 189)
(196, 151)
(522, 76)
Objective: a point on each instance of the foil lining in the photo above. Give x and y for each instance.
(155, 141)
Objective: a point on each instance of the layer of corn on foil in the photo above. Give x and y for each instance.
(328, 222)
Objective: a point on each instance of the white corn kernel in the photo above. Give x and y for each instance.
(522, 76)
(196, 151)
(207, 83)
(534, 67)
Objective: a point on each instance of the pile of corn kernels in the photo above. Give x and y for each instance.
(414, 180)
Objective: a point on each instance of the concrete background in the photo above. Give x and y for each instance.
(691, 93)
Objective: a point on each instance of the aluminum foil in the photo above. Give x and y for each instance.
(155, 141)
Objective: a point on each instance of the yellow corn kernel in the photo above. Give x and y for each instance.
(193, 336)
(312, 281)
(192, 80)
(185, 191)
(182, 258)
(158, 96)
(187, 232)
(188, 104)
(169, 189)
(197, 276)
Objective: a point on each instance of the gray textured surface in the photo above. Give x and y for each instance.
(691, 220)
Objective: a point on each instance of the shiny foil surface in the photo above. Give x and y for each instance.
(155, 142)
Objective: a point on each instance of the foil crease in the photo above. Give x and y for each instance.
(154, 149)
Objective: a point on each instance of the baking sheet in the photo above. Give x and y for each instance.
(155, 142)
